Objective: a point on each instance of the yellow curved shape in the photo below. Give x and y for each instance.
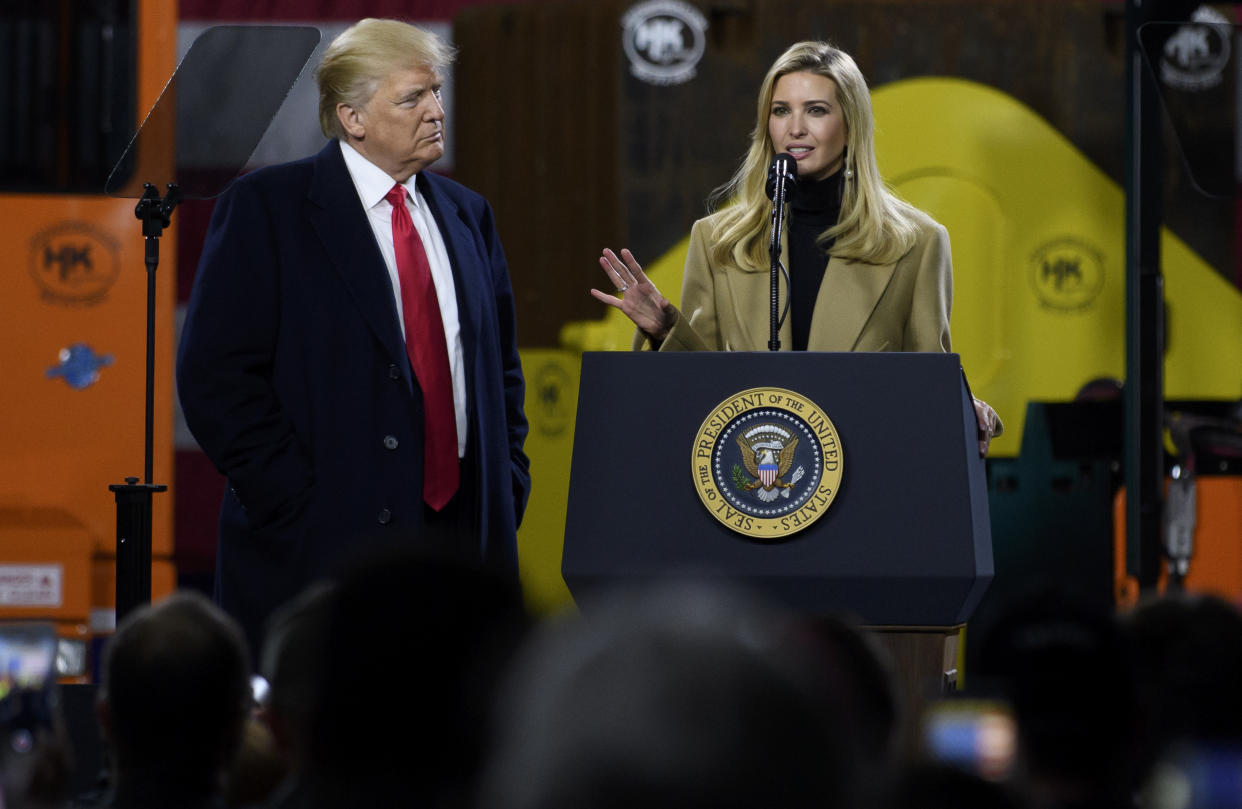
(1025, 210)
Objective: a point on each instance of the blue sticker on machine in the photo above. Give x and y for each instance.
(79, 366)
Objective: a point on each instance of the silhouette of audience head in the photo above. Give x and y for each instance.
(257, 770)
(292, 662)
(1065, 668)
(859, 679)
(414, 648)
(933, 785)
(682, 696)
(175, 695)
(277, 739)
(1188, 662)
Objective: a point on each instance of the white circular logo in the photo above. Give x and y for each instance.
(1196, 55)
(664, 40)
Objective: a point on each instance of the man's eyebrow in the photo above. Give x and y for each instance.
(414, 92)
(411, 94)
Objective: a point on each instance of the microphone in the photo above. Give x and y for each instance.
(782, 175)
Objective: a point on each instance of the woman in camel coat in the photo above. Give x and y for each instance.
(866, 270)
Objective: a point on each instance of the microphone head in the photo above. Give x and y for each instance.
(783, 165)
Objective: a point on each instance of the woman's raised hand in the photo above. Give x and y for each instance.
(636, 296)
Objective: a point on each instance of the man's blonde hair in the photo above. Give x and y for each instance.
(359, 59)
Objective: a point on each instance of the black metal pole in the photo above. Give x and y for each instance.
(152, 261)
(134, 500)
(780, 178)
(1144, 388)
(774, 263)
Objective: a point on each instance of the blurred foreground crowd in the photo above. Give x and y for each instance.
(425, 683)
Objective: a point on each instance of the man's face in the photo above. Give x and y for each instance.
(402, 125)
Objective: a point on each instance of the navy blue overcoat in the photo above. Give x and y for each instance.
(294, 379)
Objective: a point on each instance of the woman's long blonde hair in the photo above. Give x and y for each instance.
(874, 226)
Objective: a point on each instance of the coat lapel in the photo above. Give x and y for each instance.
(338, 219)
(468, 266)
(846, 299)
(751, 294)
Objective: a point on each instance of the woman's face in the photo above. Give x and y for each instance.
(805, 121)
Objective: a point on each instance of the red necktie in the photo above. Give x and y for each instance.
(428, 352)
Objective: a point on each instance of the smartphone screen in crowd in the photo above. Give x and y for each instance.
(979, 736)
(27, 677)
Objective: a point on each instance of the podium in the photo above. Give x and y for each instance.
(904, 546)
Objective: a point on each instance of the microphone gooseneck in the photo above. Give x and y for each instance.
(782, 176)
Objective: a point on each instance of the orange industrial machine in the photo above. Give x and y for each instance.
(73, 319)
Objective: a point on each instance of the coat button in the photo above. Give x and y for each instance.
(390, 442)
(394, 372)
(385, 516)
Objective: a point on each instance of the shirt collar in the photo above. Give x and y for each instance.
(372, 182)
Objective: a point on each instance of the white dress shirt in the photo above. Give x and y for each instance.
(373, 185)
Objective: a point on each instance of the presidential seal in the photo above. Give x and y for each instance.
(767, 463)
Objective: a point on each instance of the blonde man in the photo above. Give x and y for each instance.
(349, 357)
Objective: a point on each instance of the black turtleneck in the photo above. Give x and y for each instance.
(814, 207)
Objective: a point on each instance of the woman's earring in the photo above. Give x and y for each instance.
(849, 173)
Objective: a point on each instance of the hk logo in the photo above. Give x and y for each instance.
(660, 39)
(1189, 46)
(1062, 271)
(74, 263)
(1067, 273)
(68, 259)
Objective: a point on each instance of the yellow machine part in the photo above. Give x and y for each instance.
(1038, 238)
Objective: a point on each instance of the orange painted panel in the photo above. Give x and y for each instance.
(1216, 567)
(73, 360)
(44, 567)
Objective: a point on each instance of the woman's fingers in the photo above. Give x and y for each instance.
(989, 424)
(635, 295)
(615, 270)
(604, 297)
(621, 275)
(624, 270)
(633, 267)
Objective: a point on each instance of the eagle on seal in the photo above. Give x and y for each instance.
(768, 462)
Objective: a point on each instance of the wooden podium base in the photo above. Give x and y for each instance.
(924, 661)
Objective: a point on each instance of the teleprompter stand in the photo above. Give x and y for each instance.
(198, 136)
(133, 499)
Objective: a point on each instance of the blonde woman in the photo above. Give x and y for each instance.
(867, 271)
